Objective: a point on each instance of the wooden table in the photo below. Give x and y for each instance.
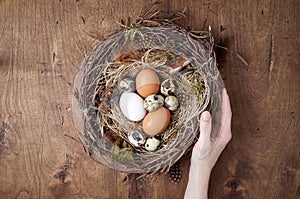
(42, 45)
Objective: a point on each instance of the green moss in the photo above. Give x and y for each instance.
(196, 90)
(130, 32)
(164, 55)
(122, 155)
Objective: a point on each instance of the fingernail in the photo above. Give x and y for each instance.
(205, 116)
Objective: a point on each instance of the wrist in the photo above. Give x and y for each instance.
(198, 181)
(200, 171)
(201, 164)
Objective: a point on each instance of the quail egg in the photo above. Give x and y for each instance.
(136, 138)
(171, 102)
(152, 143)
(167, 87)
(127, 85)
(153, 102)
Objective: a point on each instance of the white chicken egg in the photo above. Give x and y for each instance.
(132, 106)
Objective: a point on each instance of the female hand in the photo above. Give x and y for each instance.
(207, 150)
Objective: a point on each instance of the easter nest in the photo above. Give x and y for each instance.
(174, 55)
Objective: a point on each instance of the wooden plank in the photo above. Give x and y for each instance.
(262, 161)
(42, 45)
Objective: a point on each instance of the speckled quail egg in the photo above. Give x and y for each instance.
(152, 143)
(171, 102)
(167, 87)
(127, 85)
(136, 138)
(153, 102)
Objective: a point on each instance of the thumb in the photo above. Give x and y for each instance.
(203, 145)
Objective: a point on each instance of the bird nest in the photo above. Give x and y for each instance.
(174, 55)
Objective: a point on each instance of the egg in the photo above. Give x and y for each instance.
(167, 87)
(152, 102)
(156, 122)
(147, 82)
(127, 85)
(136, 138)
(171, 102)
(132, 106)
(152, 143)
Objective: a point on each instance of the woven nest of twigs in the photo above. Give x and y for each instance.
(173, 54)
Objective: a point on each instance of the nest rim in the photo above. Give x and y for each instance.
(172, 153)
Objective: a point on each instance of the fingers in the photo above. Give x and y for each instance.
(226, 109)
(226, 118)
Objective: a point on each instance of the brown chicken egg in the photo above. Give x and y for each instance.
(157, 121)
(147, 82)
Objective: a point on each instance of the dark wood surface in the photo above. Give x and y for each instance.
(42, 45)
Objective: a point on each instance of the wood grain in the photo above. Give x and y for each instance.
(42, 45)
